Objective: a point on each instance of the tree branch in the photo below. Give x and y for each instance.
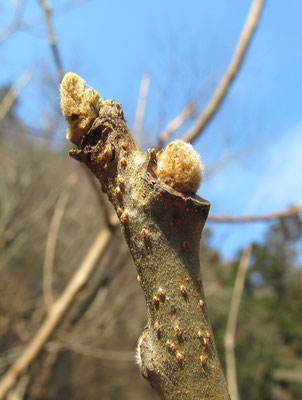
(52, 38)
(11, 96)
(229, 340)
(162, 227)
(110, 221)
(233, 68)
(51, 247)
(141, 108)
(293, 210)
(187, 111)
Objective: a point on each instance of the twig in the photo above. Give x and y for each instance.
(141, 108)
(58, 310)
(15, 24)
(110, 221)
(293, 210)
(231, 72)
(36, 390)
(287, 375)
(50, 249)
(103, 354)
(52, 38)
(187, 111)
(229, 340)
(13, 93)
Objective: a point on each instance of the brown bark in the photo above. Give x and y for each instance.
(177, 352)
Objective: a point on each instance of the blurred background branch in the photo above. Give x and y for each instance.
(233, 68)
(230, 334)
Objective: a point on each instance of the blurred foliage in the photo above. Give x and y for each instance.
(110, 313)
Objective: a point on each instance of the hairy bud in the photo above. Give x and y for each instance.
(179, 166)
(80, 106)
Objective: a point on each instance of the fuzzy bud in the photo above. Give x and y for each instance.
(179, 166)
(80, 106)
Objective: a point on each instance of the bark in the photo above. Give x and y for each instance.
(162, 227)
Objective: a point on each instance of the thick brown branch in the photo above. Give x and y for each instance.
(162, 226)
(233, 68)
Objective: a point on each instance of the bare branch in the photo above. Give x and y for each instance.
(293, 210)
(51, 247)
(10, 97)
(36, 390)
(229, 340)
(187, 111)
(233, 68)
(103, 354)
(109, 219)
(141, 108)
(57, 312)
(287, 375)
(14, 25)
(52, 38)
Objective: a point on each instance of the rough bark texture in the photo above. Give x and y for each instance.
(177, 353)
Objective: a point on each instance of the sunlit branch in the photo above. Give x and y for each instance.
(141, 108)
(231, 72)
(50, 249)
(11, 96)
(176, 123)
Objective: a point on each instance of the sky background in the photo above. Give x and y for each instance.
(254, 143)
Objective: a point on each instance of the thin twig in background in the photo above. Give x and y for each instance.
(186, 113)
(110, 221)
(57, 312)
(141, 108)
(293, 210)
(233, 68)
(11, 96)
(288, 375)
(15, 24)
(229, 339)
(103, 354)
(36, 390)
(52, 38)
(51, 247)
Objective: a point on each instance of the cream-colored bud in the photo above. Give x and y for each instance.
(80, 106)
(179, 166)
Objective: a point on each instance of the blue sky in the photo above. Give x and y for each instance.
(185, 47)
